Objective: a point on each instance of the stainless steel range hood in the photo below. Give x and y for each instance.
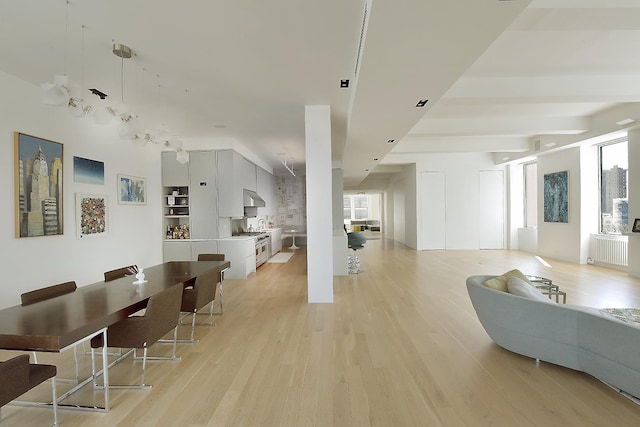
(252, 199)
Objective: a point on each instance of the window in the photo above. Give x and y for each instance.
(361, 207)
(356, 207)
(531, 195)
(614, 204)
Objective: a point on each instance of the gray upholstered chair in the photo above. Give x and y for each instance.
(49, 292)
(18, 376)
(195, 297)
(161, 316)
(117, 273)
(216, 257)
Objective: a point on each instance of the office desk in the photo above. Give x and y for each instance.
(58, 323)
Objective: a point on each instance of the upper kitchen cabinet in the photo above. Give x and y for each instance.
(203, 195)
(174, 173)
(265, 190)
(235, 173)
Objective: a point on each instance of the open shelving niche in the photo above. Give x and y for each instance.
(176, 212)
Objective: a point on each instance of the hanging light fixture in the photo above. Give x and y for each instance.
(58, 93)
(288, 167)
(76, 103)
(104, 114)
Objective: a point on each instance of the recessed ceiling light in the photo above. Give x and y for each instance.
(391, 141)
(506, 158)
(344, 83)
(376, 159)
(422, 103)
(220, 126)
(550, 144)
(625, 122)
(366, 170)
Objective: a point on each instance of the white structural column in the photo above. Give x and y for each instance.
(633, 194)
(319, 204)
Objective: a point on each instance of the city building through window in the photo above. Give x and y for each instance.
(614, 204)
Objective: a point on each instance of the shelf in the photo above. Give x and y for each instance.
(176, 216)
(176, 206)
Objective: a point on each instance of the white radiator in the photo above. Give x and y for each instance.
(608, 249)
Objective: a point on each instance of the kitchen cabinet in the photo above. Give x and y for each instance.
(176, 212)
(276, 239)
(264, 189)
(241, 253)
(203, 195)
(174, 173)
(235, 173)
(176, 250)
(203, 247)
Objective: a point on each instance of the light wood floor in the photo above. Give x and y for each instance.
(400, 346)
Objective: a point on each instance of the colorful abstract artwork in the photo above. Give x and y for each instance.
(91, 215)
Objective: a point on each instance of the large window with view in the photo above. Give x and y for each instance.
(356, 207)
(614, 204)
(530, 195)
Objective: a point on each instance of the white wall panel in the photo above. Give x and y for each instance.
(432, 210)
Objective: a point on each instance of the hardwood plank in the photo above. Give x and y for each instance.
(400, 346)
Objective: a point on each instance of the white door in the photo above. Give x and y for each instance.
(433, 210)
(491, 210)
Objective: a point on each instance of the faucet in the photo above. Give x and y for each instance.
(261, 224)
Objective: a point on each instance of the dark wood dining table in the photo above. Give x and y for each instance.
(61, 322)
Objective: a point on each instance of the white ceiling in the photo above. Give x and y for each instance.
(498, 74)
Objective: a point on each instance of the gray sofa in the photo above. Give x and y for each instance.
(580, 338)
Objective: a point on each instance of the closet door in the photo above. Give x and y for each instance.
(491, 210)
(433, 210)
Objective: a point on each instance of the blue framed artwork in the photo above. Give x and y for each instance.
(556, 197)
(88, 171)
(132, 190)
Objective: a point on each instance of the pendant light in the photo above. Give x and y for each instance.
(58, 93)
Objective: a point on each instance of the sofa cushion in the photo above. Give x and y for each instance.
(499, 283)
(517, 286)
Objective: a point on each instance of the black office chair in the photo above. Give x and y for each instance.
(216, 257)
(355, 241)
(161, 316)
(18, 376)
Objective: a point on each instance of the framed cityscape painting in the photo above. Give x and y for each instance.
(38, 165)
(91, 215)
(132, 190)
(556, 197)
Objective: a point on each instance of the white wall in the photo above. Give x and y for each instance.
(561, 240)
(462, 193)
(589, 198)
(135, 232)
(634, 201)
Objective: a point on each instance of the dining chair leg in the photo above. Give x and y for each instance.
(144, 365)
(55, 400)
(193, 324)
(75, 362)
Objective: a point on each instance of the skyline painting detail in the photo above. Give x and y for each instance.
(38, 186)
